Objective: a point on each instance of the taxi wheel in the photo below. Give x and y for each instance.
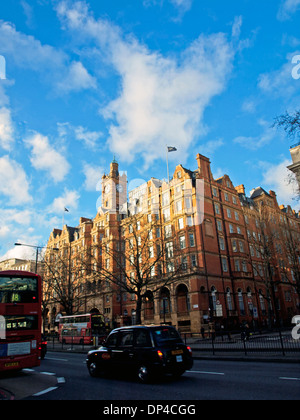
(93, 369)
(143, 374)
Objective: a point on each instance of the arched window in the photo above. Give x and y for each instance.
(249, 299)
(228, 299)
(165, 301)
(183, 303)
(241, 302)
(214, 297)
(262, 302)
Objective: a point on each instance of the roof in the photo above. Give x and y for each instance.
(256, 192)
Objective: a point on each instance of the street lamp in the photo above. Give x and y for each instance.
(37, 252)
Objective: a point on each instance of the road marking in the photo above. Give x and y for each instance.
(61, 380)
(52, 388)
(289, 379)
(48, 373)
(56, 358)
(204, 372)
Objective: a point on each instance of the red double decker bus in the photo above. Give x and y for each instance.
(21, 318)
(81, 329)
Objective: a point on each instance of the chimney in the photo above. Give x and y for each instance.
(240, 189)
(204, 166)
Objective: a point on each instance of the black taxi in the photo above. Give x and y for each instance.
(145, 350)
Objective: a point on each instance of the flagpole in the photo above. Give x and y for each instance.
(167, 152)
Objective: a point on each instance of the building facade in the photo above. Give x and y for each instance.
(195, 252)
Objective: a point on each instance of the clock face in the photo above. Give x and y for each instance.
(119, 188)
(107, 188)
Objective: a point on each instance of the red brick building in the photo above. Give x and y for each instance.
(210, 254)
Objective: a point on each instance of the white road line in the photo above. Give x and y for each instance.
(52, 388)
(56, 358)
(61, 380)
(289, 379)
(206, 373)
(48, 373)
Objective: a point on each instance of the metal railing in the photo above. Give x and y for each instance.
(275, 343)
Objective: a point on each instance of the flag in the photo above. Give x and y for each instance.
(171, 149)
(66, 210)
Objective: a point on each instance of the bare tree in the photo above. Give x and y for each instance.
(290, 123)
(67, 279)
(144, 258)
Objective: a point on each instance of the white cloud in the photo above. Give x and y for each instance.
(89, 138)
(255, 142)
(13, 182)
(77, 78)
(6, 129)
(53, 64)
(280, 82)
(161, 99)
(93, 175)
(287, 8)
(276, 177)
(45, 157)
(69, 200)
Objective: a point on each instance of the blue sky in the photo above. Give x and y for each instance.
(87, 80)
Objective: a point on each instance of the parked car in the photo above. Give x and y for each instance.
(146, 351)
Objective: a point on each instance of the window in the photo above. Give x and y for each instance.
(180, 223)
(151, 252)
(179, 206)
(126, 339)
(194, 260)
(229, 300)
(224, 264)
(236, 215)
(217, 208)
(182, 242)
(168, 231)
(234, 245)
(219, 225)
(189, 221)
(241, 302)
(228, 213)
(166, 214)
(169, 250)
(222, 243)
(112, 340)
(237, 265)
(166, 198)
(231, 230)
(142, 338)
(192, 239)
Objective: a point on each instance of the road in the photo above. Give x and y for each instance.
(64, 376)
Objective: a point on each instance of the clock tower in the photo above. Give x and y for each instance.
(114, 190)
